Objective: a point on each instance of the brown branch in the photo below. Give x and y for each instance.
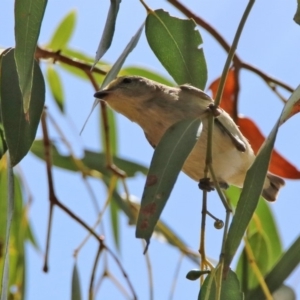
(74, 62)
(238, 63)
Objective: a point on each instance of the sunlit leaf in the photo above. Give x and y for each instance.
(109, 29)
(261, 252)
(230, 287)
(112, 131)
(175, 43)
(263, 221)
(285, 266)
(20, 128)
(28, 19)
(114, 217)
(113, 72)
(253, 186)
(92, 160)
(6, 236)
(63, 32)
(167, 161)
(56, 87)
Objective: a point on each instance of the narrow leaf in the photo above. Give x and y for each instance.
(63, 32)
(19, 127)
(167, 161)
(92, 160)
(261, 252)
(56, 87)
(285, 266)
(28, 19)
(109, 30)
(175, 42)
(253, 185)
(230, 287)
(115, 222)
(10, 209)
(297, 14)
(113, 72)
(76, 290)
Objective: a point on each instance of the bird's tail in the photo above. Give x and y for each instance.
(272, 186)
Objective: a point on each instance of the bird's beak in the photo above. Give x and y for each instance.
(101, 94)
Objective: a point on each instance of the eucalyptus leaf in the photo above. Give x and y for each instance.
(175, 42)
(254, 183)
(92, 160)
(109, 30)
(167, 161)
(63, 32)
(275, 278)
(19, 127)
(28, 20)
(230, 287)
(56, 87)
(76, 290)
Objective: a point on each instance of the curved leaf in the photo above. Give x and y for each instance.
(167, 161)
(19, 127)
(175, 43)
(28, 19)
(56, 87)
(285, 266)
(109, 30)
(230, 287)
(63, 32)
(92, 160)
(253, 185)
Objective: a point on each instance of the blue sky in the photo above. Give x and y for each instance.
(270, 41)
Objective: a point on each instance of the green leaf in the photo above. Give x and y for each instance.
(63, 32)
(3, 146)
(112, 131)
(92, 160)
(109, 30)
(28, 19)
(167, 161)
(162, 230)
(285, 266)
(113, 72)
(19, 127)
(76, 290)
(144, 72)
(115, 223)
(261, 252)
(56, 87)
(254, 183)
(175, 42)
(264, 223)
(10, 209)
(297, 14)
(230, 287)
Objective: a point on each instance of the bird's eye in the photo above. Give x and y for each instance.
(126, 80)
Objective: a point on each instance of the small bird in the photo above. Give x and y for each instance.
(155, 107)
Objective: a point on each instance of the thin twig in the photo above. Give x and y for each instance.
(91, 293)
(41, 53)
(176, 274)
(150, 274)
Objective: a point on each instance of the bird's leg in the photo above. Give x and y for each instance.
(207, 185)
